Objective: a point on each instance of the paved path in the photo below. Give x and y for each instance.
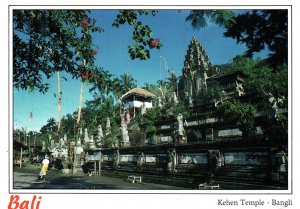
(25, 178)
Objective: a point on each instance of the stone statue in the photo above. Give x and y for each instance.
(99, 135)
(124, 134)
(63, 141)
(116, 159)
(141, 160)
(180, 129)
(91, 142)
(172, 161)
(78, 148)
(107, 126)
(86, 136)
(159, 102)
(92, 138)
(143, 109)
(52, 145)
(43, 146)
(175, 98)
(127, 117)
(191, 102)
(239, 88)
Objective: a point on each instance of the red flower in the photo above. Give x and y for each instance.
(94, 52)
(154, 42)
(85, 22)
(88, 75)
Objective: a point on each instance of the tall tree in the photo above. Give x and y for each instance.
(200, 18)
(127, 83)
(173, 82)
(50, 126)
(259, 29)
(271, 94)
(44, 42)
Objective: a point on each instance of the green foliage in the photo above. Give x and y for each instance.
(112, 139)
(142, 34)
(50, 126)
(68, 125)
(137, 137)
(172, 82)
(199, 18)
(240, 63)
(256, 29)
(97, 111)
(212, 94)
(147, 121)
(260, 76)
(102, 82)
(155, 139)
(260, 28)
(241, 113)
(124, 84)
(46, 41)
(171, 110)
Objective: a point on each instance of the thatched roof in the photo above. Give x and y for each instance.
(18, 145)
(138, 92)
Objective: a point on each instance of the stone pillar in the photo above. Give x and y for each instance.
(116, 159)
(172, 161)
(209, 134)
(141, 160)
(212, 164)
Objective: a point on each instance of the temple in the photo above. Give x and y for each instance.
(196, 70)
(203, 149)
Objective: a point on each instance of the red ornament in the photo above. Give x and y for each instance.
(85, 22)
(94, 52)
(154, 42)
(88, 75)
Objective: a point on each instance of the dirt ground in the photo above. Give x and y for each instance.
(27, 178)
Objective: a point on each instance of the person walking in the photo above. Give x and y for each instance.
(44, 169)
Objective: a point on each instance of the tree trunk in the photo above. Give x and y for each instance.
(59, 101)
(80, 97)
(80, 102)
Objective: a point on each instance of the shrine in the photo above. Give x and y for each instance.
(136, 101)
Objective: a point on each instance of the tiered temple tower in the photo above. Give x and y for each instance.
(197, 68)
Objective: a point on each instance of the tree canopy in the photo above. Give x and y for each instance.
(46, 41)
(259, 29)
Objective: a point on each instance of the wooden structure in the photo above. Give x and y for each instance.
(19, 148)
(136, 99)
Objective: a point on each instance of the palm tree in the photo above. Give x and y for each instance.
(127, 83)
(173, 82)
(67, 125)
(51, 124)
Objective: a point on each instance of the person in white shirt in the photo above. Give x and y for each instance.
(44, 168)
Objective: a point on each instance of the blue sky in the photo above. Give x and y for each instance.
(168, 25)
